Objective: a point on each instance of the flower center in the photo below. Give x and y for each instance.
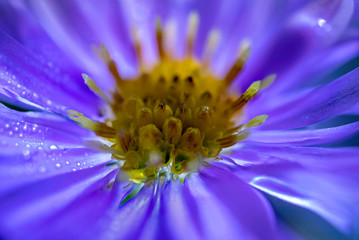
(175, 117)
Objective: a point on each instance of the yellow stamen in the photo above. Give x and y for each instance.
(246, 96)
(212, 42)
(138, 48)
(99, 128)
(267, 81)
(159, 38)
(193, 21)
(161, 113)
(172, 130)
(239, 64)
(105, 55)
(175, 117)
(92, 85)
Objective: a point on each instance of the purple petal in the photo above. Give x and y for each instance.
(229, 208)
(315, 68)
(26, 76)
(24, 28)
(68, 204)
(178, 214)
(38, 145)
(309, 30)
(353, 110)
(319, 104)
(129, 221)
(303, 137)
(73, 27)
(318, 179)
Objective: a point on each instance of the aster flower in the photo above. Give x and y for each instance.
(177, 120)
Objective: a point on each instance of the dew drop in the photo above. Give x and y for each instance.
(26, 154)
(53, 147)
(42, 169)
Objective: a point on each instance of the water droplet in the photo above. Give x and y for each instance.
(10, 133)
(67, 162)
(42, 169)
(26, 154)
(53, 147)
(7, 125)
(16, 129)
(58, 165)
(28, 145)
(48, 102)
(78, 164)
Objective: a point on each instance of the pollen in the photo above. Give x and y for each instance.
(175, 115)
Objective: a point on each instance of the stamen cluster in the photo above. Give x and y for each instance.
(173, 118)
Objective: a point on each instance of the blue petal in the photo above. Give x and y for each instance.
(75, 27)
(228, 208)
(319, 179)
(129, 221)
(319, 104)
(25, 75)
(309, 30)
(68, 204)
(178, 215)
(303, 137)
(35, 146)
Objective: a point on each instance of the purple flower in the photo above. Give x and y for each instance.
(139, 120)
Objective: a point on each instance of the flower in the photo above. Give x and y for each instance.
(169, 136)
